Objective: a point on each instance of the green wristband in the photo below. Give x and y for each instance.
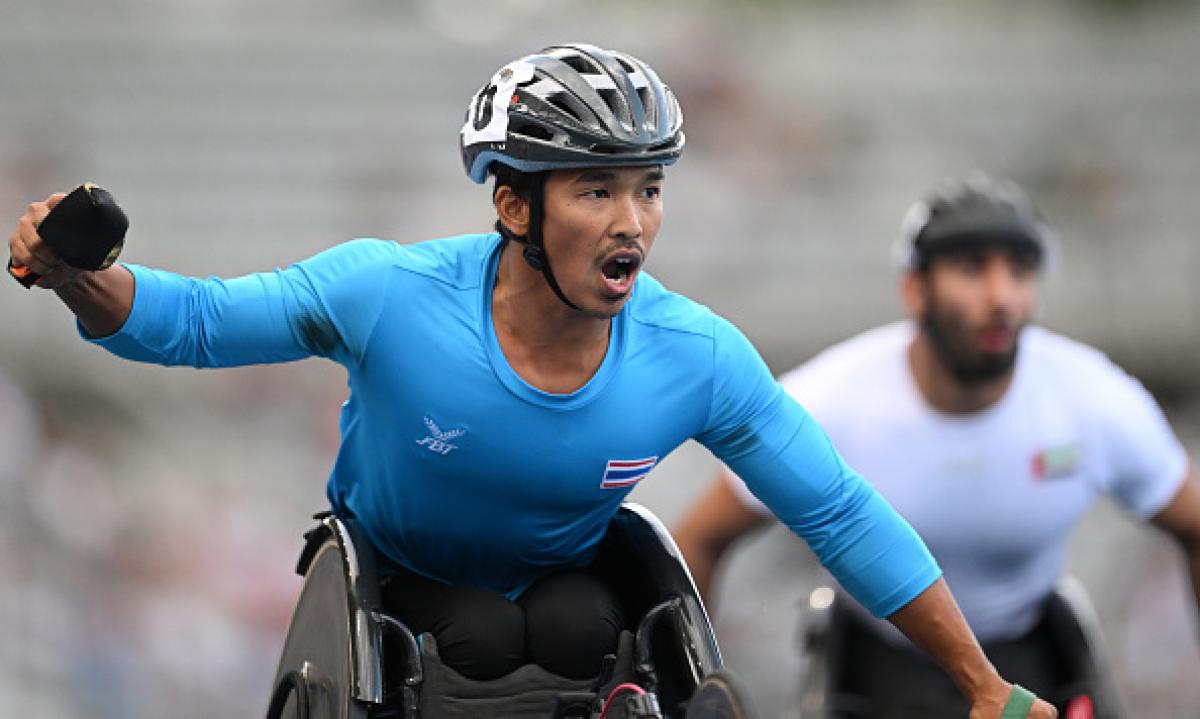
(1020, 701)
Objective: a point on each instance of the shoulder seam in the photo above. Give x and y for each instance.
(671, 328)
(435, 278)
(399, 263)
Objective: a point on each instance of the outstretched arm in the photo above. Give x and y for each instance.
(326, 305)
(101, 300)
(1181, 519)
(710, 527)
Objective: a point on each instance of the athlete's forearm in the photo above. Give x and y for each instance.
(1181, 519)
(1194, 566)
(701, 556)
(934, 623)
(101, 300)
(1193, 562)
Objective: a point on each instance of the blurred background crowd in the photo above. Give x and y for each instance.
(150, 518)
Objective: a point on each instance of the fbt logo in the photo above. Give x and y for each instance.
(439, 441)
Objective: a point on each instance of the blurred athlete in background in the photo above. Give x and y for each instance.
(992, 436)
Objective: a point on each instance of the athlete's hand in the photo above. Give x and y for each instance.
(1001, 702)
(27, 248)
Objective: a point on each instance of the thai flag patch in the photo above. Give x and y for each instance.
(624, 472)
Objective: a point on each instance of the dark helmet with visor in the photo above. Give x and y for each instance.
(978, 211)
(568, 106)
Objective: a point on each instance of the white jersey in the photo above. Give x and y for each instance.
(994, 494)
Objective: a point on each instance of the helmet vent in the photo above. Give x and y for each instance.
(647, 99)
(528, 129)
(610, 98)
(605, 149)
(579, 64)
(562, 101)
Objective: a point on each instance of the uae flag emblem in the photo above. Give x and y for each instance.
(1055, 462)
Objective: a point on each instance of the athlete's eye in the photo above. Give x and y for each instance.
(598, 193)
(653, 192)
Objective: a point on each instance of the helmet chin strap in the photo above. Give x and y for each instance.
(532, 248)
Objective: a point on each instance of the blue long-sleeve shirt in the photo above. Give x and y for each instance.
(460, 470)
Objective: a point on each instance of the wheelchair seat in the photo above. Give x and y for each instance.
(340, 637)
(530, 691)
(1069, 620)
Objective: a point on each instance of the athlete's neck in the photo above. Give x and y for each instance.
(550, 345)
(944, 391)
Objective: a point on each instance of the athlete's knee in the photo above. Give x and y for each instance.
(572, 620)
(484, 644)
(479, 633)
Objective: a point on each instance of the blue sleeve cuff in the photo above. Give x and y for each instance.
(147, 293)
(893, 602)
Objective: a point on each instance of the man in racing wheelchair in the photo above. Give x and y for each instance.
(509, 389)
(346, 656)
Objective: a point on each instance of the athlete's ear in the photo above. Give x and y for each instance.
(512, 211)
(912, 292)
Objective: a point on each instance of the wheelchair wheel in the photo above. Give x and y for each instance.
(719, 696)
(291, 685)
(321, 671)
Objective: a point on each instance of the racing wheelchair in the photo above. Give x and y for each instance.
(345, 657)
(1069, 622)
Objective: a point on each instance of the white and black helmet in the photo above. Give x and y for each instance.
(974, 211)
(571, 106)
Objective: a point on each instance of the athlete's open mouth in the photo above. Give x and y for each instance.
(619, 271)
(997, 337)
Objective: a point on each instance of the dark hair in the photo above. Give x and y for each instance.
(522, 183)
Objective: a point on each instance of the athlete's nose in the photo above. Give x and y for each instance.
(626, 221)
(1001, 282)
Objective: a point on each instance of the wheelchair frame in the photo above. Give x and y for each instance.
(341, 672)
